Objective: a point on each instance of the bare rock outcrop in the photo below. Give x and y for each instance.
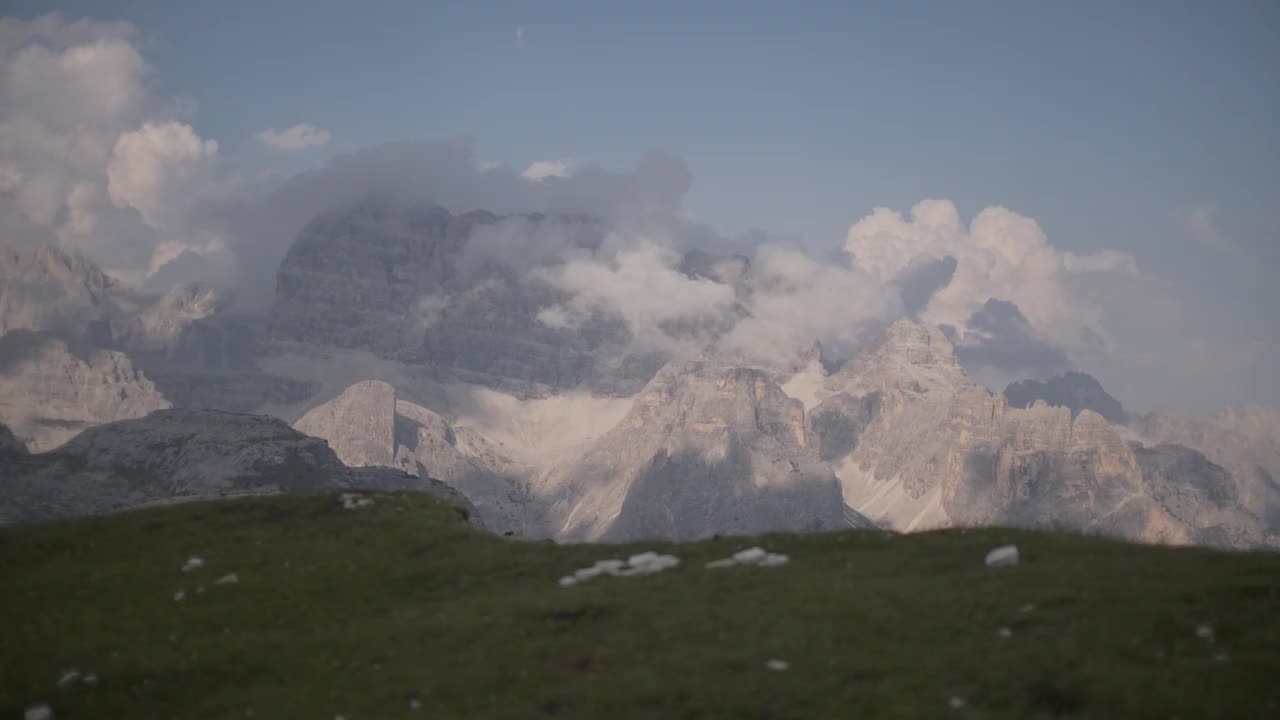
(177, 454)
(367, 426)
(49, 394)
(705, 449)
(931, 449)
(1244, 442)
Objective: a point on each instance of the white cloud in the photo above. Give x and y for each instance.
(1001, 255)
(544, 169)
(298, 137)
(88, 159)
(796, 300)
(1202, 223)
(153, 170)
(643, 286)
(519, 36)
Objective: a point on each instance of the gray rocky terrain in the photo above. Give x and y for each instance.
(412, 340)
(931, 449)
(48, 394)
(181, 454)
(705, 449)
(367, 426)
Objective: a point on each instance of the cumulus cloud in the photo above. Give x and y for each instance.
(155, 169)
(795, 300)
(544, 169)
(298, 137)
(88, 159)
(1000, 255)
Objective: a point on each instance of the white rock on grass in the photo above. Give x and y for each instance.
(180, 596)
(193, 563)
(646, 563)
(228, 579)
(91, 679)
(1003, 556)
(777, 665)
(40, 711)
(1204, 632)
(751, 556)
(354, 501)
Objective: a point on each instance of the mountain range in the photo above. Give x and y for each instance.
(401, 351)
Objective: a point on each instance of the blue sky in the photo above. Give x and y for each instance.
(1101, 120)
(1148, 128)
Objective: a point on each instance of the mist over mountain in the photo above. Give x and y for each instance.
(575, 349)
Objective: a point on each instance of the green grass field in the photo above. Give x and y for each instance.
(401, 610)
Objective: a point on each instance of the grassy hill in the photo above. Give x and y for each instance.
(401, 610)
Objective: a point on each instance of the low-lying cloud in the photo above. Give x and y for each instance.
(298, 137)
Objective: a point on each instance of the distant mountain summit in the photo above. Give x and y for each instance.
(917, 445)
(1076, 390)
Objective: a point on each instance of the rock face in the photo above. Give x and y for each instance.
(916, 445)
(1246, 443)
(175, 454)
(9, 444)
(416, 285)
(705, 449)
(368, 427)
(359, 424)
(48, 290)
(1075, 390)
(49, 394)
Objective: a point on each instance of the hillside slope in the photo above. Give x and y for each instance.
(374, 612)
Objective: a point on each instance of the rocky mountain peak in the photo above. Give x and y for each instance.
(1076, 390)
(910, 357)
(48, 289)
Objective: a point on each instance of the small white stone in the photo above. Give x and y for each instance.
(68, 677)
(956, 702)
(664, 562)
(777, 665)
(568, 581)
(727, 562)
(193, 563)
(750, 556)
(180, 596)
(1006, 633)
(1026, 608)
(774, 560)
(1003, 556)
(642, 558)
(415, 704)
(1204, 632)
(200, 589)
(42, 711)
(228, 579)
(1221, 658)
(91, 679)
(587, 573)
(609, 566)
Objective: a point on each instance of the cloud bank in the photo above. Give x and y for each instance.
(90, 159)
